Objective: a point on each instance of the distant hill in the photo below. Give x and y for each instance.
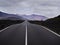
(5, 16)
(34, 17)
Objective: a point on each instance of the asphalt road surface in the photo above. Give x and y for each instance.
(28, 34)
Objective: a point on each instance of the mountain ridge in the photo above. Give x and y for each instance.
(22, 17)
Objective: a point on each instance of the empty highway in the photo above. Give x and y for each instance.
(28, 34)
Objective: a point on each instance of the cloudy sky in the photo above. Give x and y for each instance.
(48, 8)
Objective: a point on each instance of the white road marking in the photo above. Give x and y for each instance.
(51, 31)
(7, 27)
(4, 29)
(26, 36)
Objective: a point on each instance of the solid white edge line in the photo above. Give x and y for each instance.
(51, 31)
(4, 29)
(26, 36)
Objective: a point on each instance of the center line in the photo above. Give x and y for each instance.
(26, 36)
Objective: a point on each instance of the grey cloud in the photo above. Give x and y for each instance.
(49, 8)
(8, 3)
(51, 4)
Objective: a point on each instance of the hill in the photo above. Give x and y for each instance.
(52, 23)
(6, 23)
(34, 17)
(6, 16)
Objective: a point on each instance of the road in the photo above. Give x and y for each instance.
(28, 34)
